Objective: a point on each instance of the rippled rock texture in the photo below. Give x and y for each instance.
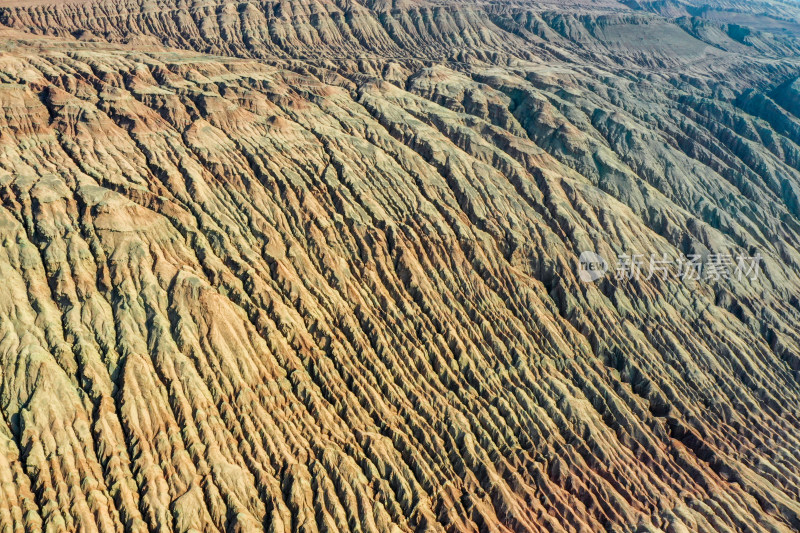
(312, 266)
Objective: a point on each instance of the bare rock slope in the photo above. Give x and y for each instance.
(312, 266)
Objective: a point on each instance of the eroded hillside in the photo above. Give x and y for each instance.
(313, 267)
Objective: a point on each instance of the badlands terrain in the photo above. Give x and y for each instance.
(312, 266)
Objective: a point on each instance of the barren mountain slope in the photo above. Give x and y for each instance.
(312, 266)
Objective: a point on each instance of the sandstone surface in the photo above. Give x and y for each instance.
(312, 266)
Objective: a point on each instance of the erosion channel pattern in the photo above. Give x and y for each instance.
(312, 266)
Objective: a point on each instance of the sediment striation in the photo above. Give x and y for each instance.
(312, 266)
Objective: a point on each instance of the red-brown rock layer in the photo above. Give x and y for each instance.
(340, 294)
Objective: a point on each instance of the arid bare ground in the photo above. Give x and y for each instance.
(312, 266)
